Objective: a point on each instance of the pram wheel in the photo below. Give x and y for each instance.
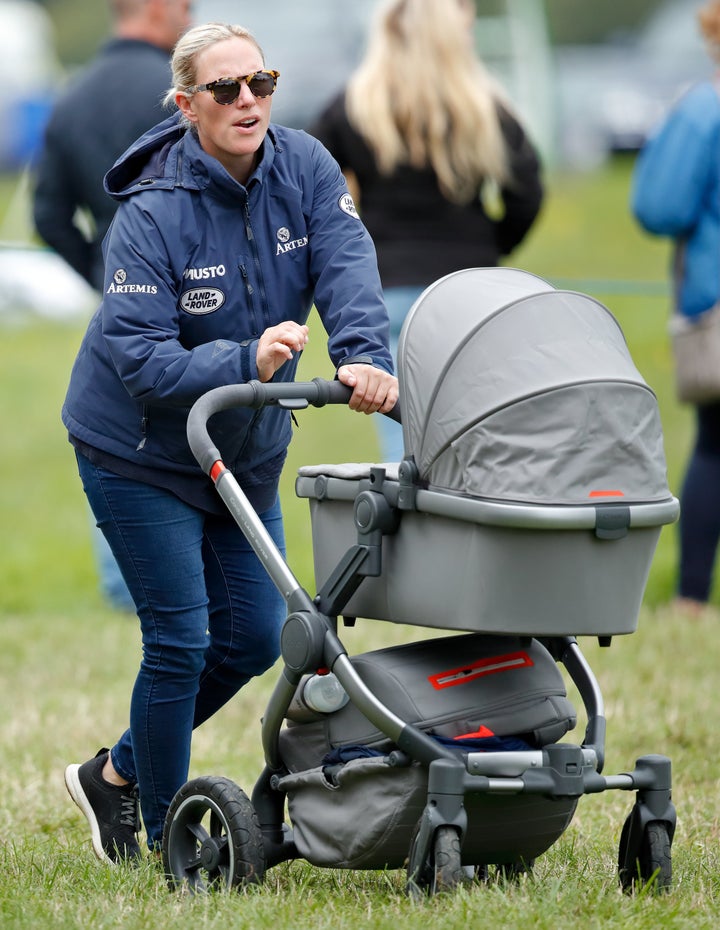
(442, 869)
(653, 863)
(224, 851)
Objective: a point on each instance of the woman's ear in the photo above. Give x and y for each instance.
(185, 106)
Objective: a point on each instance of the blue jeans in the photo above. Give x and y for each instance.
(398, 301)
(112, 583)
(210, 619)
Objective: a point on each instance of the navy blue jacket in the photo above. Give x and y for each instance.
(197, 266)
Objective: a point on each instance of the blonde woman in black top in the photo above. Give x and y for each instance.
(442, 170)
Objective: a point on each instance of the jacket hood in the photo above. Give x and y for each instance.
(169, 155)
(147, 160)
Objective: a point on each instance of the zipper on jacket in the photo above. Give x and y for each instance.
(143, 429)
(257, 264)
(251, 295)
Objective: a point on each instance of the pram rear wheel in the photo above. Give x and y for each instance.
(442, 869)
(212, 838)
(653, 864)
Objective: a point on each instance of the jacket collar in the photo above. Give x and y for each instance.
(170, 155)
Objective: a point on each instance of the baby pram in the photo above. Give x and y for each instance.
(525, 513)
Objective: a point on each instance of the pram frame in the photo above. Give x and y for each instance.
(309, 641)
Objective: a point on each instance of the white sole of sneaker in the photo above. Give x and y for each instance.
(72, 783)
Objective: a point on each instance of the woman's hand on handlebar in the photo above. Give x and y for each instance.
(374, 390)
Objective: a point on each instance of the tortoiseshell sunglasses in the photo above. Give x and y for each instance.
(226, 90)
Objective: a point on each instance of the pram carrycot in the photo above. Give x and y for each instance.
(536, 441)
(526, 512)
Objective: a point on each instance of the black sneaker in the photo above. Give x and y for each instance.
(112, 810)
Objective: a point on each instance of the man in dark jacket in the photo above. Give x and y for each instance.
(104, 109)
(112, 102)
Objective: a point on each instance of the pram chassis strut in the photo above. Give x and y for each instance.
(309, 641)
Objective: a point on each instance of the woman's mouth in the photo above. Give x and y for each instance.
(249, 123)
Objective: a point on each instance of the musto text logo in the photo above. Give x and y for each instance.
(202, 300)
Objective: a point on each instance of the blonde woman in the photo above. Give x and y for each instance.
(229, 228)
(443, 173)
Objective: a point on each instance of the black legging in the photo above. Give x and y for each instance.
(700, 508)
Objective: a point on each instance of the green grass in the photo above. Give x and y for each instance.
(67, 663)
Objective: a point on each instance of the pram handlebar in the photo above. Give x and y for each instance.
(294, 395)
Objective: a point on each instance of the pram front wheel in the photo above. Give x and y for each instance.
(212, 838)
(442, 869)
(653, 863)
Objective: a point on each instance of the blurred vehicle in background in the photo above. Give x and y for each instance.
(610, 96)
(29, 70)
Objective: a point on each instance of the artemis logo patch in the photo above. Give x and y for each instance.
(119, 285)
(347, 205)
(286, 244)
(201, 300)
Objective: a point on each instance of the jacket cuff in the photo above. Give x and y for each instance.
(356, 360)
(248, 361)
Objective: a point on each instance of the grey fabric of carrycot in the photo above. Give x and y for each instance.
(515, 391)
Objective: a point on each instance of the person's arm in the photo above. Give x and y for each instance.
(55, 204)
(140, 324)
(522, 196)
(141, 318)
(671, 173)
(348, 294)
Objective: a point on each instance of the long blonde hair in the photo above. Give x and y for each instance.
(422, 97)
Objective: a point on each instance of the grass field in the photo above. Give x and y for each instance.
(67, 663)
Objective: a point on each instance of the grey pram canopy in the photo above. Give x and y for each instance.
(514, 391)
(540, 456)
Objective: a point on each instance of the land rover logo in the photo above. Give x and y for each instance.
(202, 300)
(347, 205)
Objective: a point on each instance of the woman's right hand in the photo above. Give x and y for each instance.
(276, 346)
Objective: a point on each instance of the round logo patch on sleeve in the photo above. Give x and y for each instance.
(347, 205)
